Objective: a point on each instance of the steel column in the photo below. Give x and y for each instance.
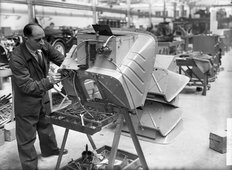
(30, 11)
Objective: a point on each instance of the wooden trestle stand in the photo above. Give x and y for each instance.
(122, 114)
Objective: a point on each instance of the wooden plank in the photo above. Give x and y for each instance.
(9, 130)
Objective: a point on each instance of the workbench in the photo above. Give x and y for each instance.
(197, 68)
(64, 119)
(211, 45)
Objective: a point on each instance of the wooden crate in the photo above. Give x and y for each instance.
(9, 130)
(217, 142)
(2, 140)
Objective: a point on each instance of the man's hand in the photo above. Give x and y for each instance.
(54, 77)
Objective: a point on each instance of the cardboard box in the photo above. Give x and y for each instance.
(217, 142)
(2, 140)
(9, 131)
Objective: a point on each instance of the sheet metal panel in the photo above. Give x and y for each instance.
(167, 83)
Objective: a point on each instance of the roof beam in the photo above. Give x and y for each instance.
(81, 7)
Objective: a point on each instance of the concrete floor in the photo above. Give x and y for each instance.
(189, 150)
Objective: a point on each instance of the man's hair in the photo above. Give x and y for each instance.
(27, 30)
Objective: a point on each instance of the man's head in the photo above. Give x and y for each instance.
(34, 35)
(52, 25)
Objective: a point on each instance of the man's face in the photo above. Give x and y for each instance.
(35, 41)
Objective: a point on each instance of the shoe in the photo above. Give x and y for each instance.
(57, 152)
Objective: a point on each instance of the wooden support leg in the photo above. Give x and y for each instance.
(135, 140)
(12, 116)
(62, 149)
(116, 139)
(179, 69)
(205, 83)
(91, 142)
(1, 83)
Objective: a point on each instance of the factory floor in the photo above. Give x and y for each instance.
(189, 150)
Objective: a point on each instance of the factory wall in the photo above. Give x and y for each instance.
(11, 15)
(213, 19)
(16, 16)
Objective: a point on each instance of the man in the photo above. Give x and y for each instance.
(29, 63)
(51, 26)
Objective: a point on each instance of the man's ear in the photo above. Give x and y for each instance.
(25, 39)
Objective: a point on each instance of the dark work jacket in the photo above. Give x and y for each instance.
(29, 80)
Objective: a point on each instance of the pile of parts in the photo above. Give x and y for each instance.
(99, 159)
(5, 109)
(5, 71)
(110, 75)
(5, 104)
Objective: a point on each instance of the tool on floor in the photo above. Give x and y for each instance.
(87, 156)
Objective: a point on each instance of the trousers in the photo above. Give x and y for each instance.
(26, 128)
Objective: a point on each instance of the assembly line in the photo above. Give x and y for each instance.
(110, 97)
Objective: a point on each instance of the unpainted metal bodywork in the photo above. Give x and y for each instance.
(123, 73)
(120, 70)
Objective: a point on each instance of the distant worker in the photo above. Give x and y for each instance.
(154, 30)
(49, 32)
(50, 27)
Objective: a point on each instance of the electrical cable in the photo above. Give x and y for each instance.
(79, 100)
(107, 41)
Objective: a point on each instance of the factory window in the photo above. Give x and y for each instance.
(177, 14)
(158, 13)
(112, 22)
(166, 13)
(185, 13)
